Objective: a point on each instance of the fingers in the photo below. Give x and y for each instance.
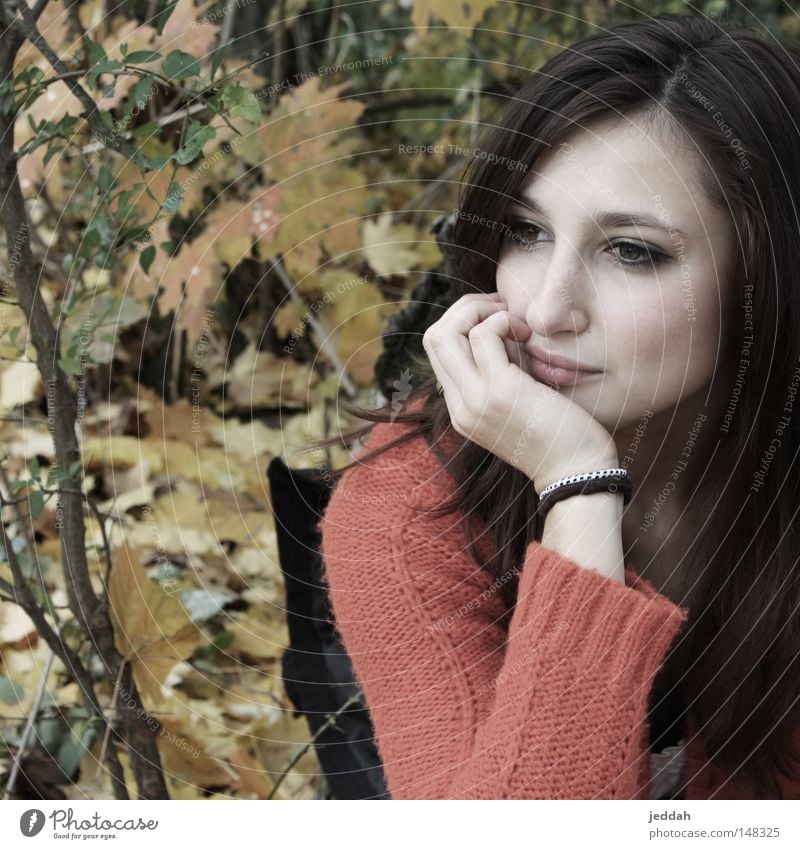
(491, 340)
(469, 311)
(447, 342)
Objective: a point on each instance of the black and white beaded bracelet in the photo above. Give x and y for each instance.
(604, 480)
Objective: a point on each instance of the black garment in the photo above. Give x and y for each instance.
(316, 669)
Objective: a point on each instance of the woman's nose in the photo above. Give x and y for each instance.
(559, 298)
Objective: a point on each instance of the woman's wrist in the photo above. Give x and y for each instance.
(575, 466)
(587, 529)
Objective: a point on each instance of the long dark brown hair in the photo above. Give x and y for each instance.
(740, 654)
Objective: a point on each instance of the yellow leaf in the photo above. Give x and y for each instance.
(396, 248)
(356, 320)
(303, 147)
(465, 13)
(288, 316)
(233, 227)
(264, 640)
(152, 629)
(191, 281)
(121, 451)
(263, 379)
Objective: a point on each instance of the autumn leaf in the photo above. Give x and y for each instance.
(397, 248)
(356, 319)
(191, 281)
(303, 148)
(152, 630)
(466, 13)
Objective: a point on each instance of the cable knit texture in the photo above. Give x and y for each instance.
(550, 705)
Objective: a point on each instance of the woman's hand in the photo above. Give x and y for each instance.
(493, 400)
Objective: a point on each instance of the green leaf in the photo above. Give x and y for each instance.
(124, 197)
(52, 149)
(36, 469)
(155, 163)
(140, 95)
(219, 57)
(146, 258)
(36, 503)
(31, 75)
(197, 135)
(179, 65)
(242, 103)
(174, 197)
(132, 234)
(97, 52)
(15, 486)
(11, 692)
(74, 747)
(6, 102)
(165, 15)
(100, 62)
(145, 130)
(105, 179)
(142, 57)
(70, 365)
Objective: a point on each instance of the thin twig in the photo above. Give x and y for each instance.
(330, 719)
(106, 546)
(226, 29)
(333, 31)
(107, 735)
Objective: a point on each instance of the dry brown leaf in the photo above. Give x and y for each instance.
(151, 628)
(253, 782)
(263, 379)
(121, 452)
(251, 440)
(185, 760)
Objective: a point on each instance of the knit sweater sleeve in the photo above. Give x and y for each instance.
(551, 706)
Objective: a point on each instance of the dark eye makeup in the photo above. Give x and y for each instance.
(522, 234)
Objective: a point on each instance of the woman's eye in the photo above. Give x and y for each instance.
(525, 235)
(522, 233)
(642, 255)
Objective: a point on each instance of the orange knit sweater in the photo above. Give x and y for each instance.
(550, 705)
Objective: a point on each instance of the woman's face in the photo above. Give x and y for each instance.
(641, 302)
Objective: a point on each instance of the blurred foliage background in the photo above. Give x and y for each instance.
(221, 256)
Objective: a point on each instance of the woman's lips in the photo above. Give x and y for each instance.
(556, 375)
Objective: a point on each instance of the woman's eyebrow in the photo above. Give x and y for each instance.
(609, 219)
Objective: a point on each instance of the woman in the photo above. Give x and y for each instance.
(627, 302)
